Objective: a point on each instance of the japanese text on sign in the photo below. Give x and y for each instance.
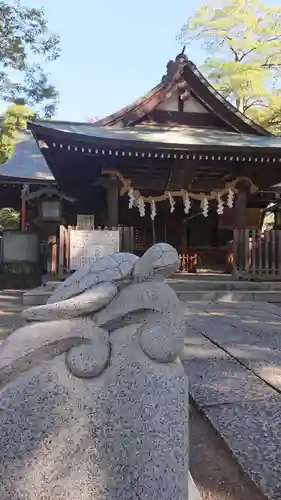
(89, 245)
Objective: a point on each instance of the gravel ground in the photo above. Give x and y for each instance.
(216, 473)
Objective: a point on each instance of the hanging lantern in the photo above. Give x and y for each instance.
(152, 209)
(220, 206)
(172, 203)
(230, 198)
(187, 203)
(141, 206)
(132, 198)
(205, 207)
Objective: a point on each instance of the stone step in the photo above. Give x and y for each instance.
(40, 295)
(52, 285)
(206, 285)
(223, 285)
(273, 297)
(36, 297)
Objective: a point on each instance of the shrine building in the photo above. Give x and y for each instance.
(180, 165)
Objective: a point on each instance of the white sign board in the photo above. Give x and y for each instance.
(87, 246)
(85, 222)
(19, 247)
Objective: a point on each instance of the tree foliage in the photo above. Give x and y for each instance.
(9, 218)
(242, 43)
(13, 121)
(25, 47)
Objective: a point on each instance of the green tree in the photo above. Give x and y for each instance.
(242, 43)
(25, 47)
(9, 218)
(13, 120)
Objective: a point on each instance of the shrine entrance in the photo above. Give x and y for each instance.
(179, 165)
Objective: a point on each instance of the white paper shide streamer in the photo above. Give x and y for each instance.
(230, 198)
(186, 203)
(141, 206)
(172, 203)
(205, 207)
(220, 206)
(132, 198)
(136, 200)
(152, 209)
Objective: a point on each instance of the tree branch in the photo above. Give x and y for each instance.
(247, 53)
(257, 102)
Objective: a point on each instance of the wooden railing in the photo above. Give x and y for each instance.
(257, 255)
(215, 259)
(188, 262)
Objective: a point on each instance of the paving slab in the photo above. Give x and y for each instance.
(217, 328)
(225, 349)
(264, 361)
(215, 377)
(252, 430)
(251, 337)
(252, 321)
(244, 329)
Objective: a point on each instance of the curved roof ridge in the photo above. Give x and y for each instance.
(150, 100)
(177, 69)
(224, 101)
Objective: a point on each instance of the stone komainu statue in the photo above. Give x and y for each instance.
(93, 397)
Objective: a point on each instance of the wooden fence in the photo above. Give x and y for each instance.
(253, 256)
(257, 255)
(188, 262)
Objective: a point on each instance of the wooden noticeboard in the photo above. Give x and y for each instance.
(89, 245)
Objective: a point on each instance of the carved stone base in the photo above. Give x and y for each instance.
(122, 435)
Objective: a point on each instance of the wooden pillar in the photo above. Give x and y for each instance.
(24, 192)
(277, 219)
(184, 236)
(240, 208)
(112, 195)
(240, 239)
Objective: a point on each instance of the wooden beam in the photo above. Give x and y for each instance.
(174, 118)
(240, 207)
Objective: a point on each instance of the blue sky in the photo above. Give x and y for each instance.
(113, 50)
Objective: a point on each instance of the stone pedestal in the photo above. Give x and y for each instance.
(122, 435)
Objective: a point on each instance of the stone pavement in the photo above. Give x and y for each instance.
(10, 308)
(232, 357)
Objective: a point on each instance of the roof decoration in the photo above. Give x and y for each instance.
(46, 192)
(184, 79)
